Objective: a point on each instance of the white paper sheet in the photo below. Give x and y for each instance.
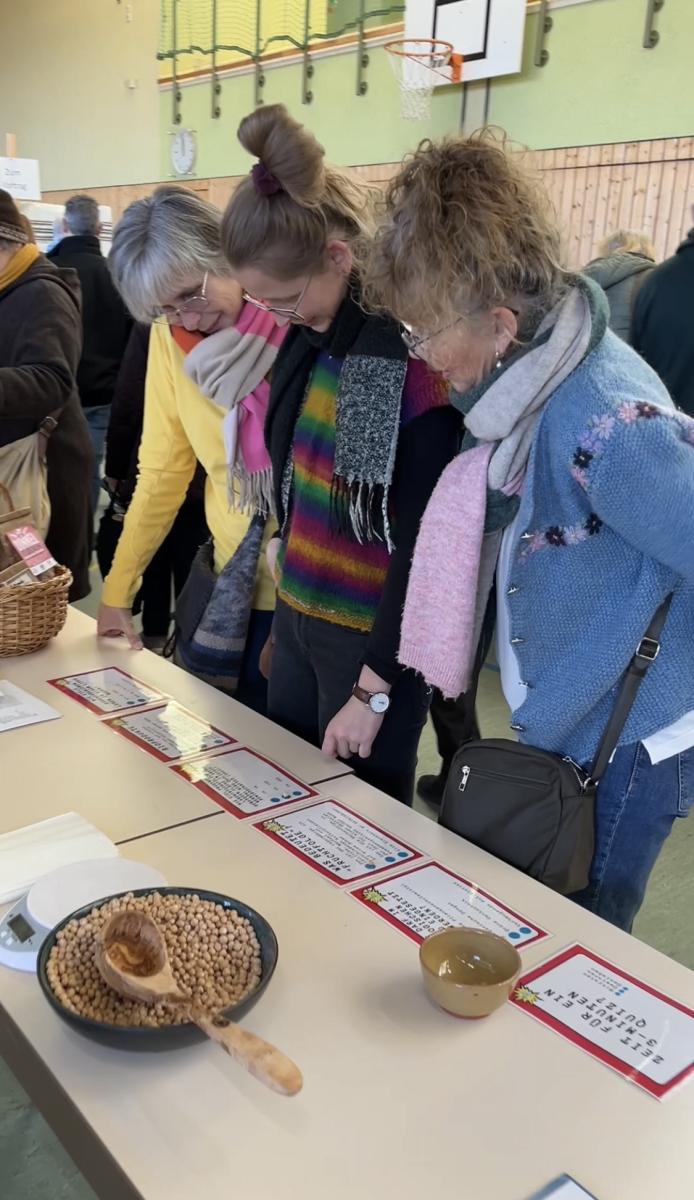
(109, 690)
(244, 782)
(18, 708)
(633, 1028)
(169, 732)
(336, 841)
(430, 897)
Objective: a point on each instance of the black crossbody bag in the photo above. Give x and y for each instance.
(534, 809)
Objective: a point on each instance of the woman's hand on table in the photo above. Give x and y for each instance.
(117, 622)
(354, 729)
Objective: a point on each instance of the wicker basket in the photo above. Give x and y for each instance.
(33, 614)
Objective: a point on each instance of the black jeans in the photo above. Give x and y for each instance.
(314, 666)
(455, 723)
(170, 565)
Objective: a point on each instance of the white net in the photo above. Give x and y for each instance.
(416, 65)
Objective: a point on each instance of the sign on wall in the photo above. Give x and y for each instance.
(20, 177)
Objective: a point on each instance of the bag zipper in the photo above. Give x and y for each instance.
(467, 771)
(582, 777)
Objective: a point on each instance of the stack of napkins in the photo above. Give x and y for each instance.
(29, 853)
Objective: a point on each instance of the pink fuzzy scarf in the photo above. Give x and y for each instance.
(451, 533)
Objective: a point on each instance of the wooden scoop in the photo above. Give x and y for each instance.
(132, 958)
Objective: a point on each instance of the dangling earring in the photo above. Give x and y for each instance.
(497, 364)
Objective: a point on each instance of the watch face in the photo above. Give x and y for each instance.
(379, 703)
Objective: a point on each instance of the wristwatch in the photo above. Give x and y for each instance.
(378, 702)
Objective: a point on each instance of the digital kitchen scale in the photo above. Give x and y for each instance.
(24, 928)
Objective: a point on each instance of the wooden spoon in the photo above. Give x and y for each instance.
(132, 958)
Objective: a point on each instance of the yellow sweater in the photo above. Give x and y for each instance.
(180, 426)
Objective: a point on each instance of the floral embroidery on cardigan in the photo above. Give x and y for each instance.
(561, 535)
(601, 428)
(593, 441)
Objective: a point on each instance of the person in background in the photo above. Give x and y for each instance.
(577, 495)
(358, 435)
(170, 567)
(662, 328)
(105, 322)
(205, 397)
(40, 343)
(625, 260)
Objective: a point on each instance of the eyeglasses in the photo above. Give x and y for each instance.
(292, 314)
(413, 343)
(170, 314)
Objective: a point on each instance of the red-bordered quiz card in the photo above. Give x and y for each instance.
(244, 782)
(430, 897)
(169, 732)
(107, 690)
(340, 844)
(631, 1027)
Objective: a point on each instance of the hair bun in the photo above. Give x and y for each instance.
(287, 151)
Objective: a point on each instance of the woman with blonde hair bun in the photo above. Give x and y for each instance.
(575, 490)
(358, 434)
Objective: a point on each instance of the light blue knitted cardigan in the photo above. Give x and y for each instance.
(606, 531)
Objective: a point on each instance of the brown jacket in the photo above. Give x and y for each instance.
(40, 346)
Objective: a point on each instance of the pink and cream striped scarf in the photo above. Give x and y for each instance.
(231, 367)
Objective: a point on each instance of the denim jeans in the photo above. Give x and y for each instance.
(637, 804)
(97, 419)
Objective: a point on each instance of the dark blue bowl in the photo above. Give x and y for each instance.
(162, 1037)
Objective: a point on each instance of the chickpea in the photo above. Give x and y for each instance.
(214, 953)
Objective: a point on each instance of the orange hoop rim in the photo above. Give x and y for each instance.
(395, 47)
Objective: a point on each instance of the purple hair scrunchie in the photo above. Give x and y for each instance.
(264, 181)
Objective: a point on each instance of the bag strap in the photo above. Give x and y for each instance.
(647, 651)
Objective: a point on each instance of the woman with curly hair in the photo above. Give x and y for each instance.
(575, 489)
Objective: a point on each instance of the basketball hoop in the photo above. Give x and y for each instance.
(418, 64)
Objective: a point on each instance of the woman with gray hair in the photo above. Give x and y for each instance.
(205, 401)
(625, 260)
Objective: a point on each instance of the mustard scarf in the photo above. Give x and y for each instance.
(18, 264)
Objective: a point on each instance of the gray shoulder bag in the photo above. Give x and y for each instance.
(534, 809)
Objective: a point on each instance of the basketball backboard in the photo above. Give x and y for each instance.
(488, 33)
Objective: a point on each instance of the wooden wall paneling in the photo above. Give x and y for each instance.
(602, 196)
(627, 185)
(682, 197)
(662, 236)
(592, 175)
(577, 207)
(595, 190)
(637, 217)
(544, 166)
(567, 171)
(221, 190)
(615, 189)
(654, 190)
